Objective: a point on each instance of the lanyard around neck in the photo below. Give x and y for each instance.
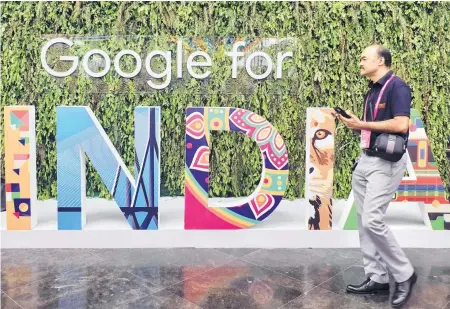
(375, 112)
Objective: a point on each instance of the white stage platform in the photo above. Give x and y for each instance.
(285, 228)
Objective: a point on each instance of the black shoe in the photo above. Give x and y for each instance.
(403, 291)
(368, 287)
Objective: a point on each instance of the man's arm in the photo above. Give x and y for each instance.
(399, 124)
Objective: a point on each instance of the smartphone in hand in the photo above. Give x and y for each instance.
(342, 112)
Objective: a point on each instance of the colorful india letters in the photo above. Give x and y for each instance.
(79, 134)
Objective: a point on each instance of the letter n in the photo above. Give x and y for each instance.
(79, 133)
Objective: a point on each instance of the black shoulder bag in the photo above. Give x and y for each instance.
(390, 147)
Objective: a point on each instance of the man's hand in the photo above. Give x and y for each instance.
(400, 124)
(352, 123)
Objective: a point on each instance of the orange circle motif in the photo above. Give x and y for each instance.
(435, 203)
(23, 207)
(260, 199)
(216, 124)
(267, 181)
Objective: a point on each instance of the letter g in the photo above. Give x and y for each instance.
(62, 58)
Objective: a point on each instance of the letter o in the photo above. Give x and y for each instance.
(86, 61)
(269, 65)
(136, 57)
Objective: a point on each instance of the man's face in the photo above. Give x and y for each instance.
(369, 62)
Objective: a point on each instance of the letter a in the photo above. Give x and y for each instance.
(423, 184)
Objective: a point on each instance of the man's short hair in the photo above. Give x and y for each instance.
(385, 53)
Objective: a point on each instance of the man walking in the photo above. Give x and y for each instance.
(375, 180)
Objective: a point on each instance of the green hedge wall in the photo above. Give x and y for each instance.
(330, 38)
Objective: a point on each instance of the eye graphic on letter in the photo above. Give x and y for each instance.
(320, 135)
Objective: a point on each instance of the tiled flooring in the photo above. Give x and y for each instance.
(206, 278)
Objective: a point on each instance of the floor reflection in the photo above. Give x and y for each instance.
(206, 278)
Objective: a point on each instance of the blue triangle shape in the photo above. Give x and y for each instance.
(16, 120)
(152, 225)
(140, 216)
(22, 141)
(17, 171)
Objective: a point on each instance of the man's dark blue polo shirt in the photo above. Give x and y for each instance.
(396, 101)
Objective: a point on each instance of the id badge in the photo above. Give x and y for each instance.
(365, 139)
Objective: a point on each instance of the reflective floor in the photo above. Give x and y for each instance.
(206, 278)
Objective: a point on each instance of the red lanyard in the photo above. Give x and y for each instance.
(375, 112)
